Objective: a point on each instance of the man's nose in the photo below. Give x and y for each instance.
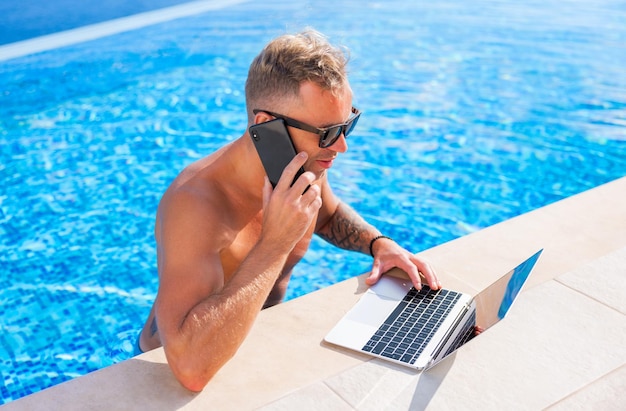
(341, 145)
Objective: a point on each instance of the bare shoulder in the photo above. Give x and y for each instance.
(203, 210)
(194, 203)
(193, 210)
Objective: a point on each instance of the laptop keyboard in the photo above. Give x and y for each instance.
(409, 328)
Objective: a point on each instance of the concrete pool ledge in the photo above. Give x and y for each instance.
(561, 347)
(110, 27)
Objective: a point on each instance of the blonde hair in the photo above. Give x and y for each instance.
(275, 75)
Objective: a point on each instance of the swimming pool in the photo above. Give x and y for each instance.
(473, 113)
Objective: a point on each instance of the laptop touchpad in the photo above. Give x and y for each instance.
(379, 301)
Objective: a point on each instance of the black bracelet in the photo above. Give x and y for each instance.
(374, 240)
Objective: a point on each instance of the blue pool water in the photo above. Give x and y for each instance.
(474, 112)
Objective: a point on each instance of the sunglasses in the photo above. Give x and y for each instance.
(328, 135)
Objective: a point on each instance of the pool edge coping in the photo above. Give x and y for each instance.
(111, 27)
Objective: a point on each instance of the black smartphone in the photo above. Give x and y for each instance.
(275, 148)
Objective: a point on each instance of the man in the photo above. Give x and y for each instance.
(227, 242)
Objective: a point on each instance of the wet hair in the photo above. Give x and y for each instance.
(275, 75)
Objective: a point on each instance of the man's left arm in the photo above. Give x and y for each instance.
(346, 229)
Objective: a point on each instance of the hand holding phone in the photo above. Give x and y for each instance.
(275, 148)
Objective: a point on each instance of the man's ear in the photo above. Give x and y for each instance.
(262, 117)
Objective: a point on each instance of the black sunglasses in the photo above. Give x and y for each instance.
(328, 135)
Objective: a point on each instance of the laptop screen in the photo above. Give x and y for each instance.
(494, 302)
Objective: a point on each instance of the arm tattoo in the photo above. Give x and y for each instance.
(348, 230)
(153, 327)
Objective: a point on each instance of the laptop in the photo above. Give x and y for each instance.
(418, 329)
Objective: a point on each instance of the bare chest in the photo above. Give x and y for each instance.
(244, 240)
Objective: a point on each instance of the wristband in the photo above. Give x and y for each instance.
(376, 239)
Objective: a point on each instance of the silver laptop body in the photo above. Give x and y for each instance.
(395, 322)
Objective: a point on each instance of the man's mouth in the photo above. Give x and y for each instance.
(326, 163)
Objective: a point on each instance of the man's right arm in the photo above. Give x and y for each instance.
(202, 322)
(201, 319)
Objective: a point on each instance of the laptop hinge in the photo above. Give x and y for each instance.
(460, 317)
